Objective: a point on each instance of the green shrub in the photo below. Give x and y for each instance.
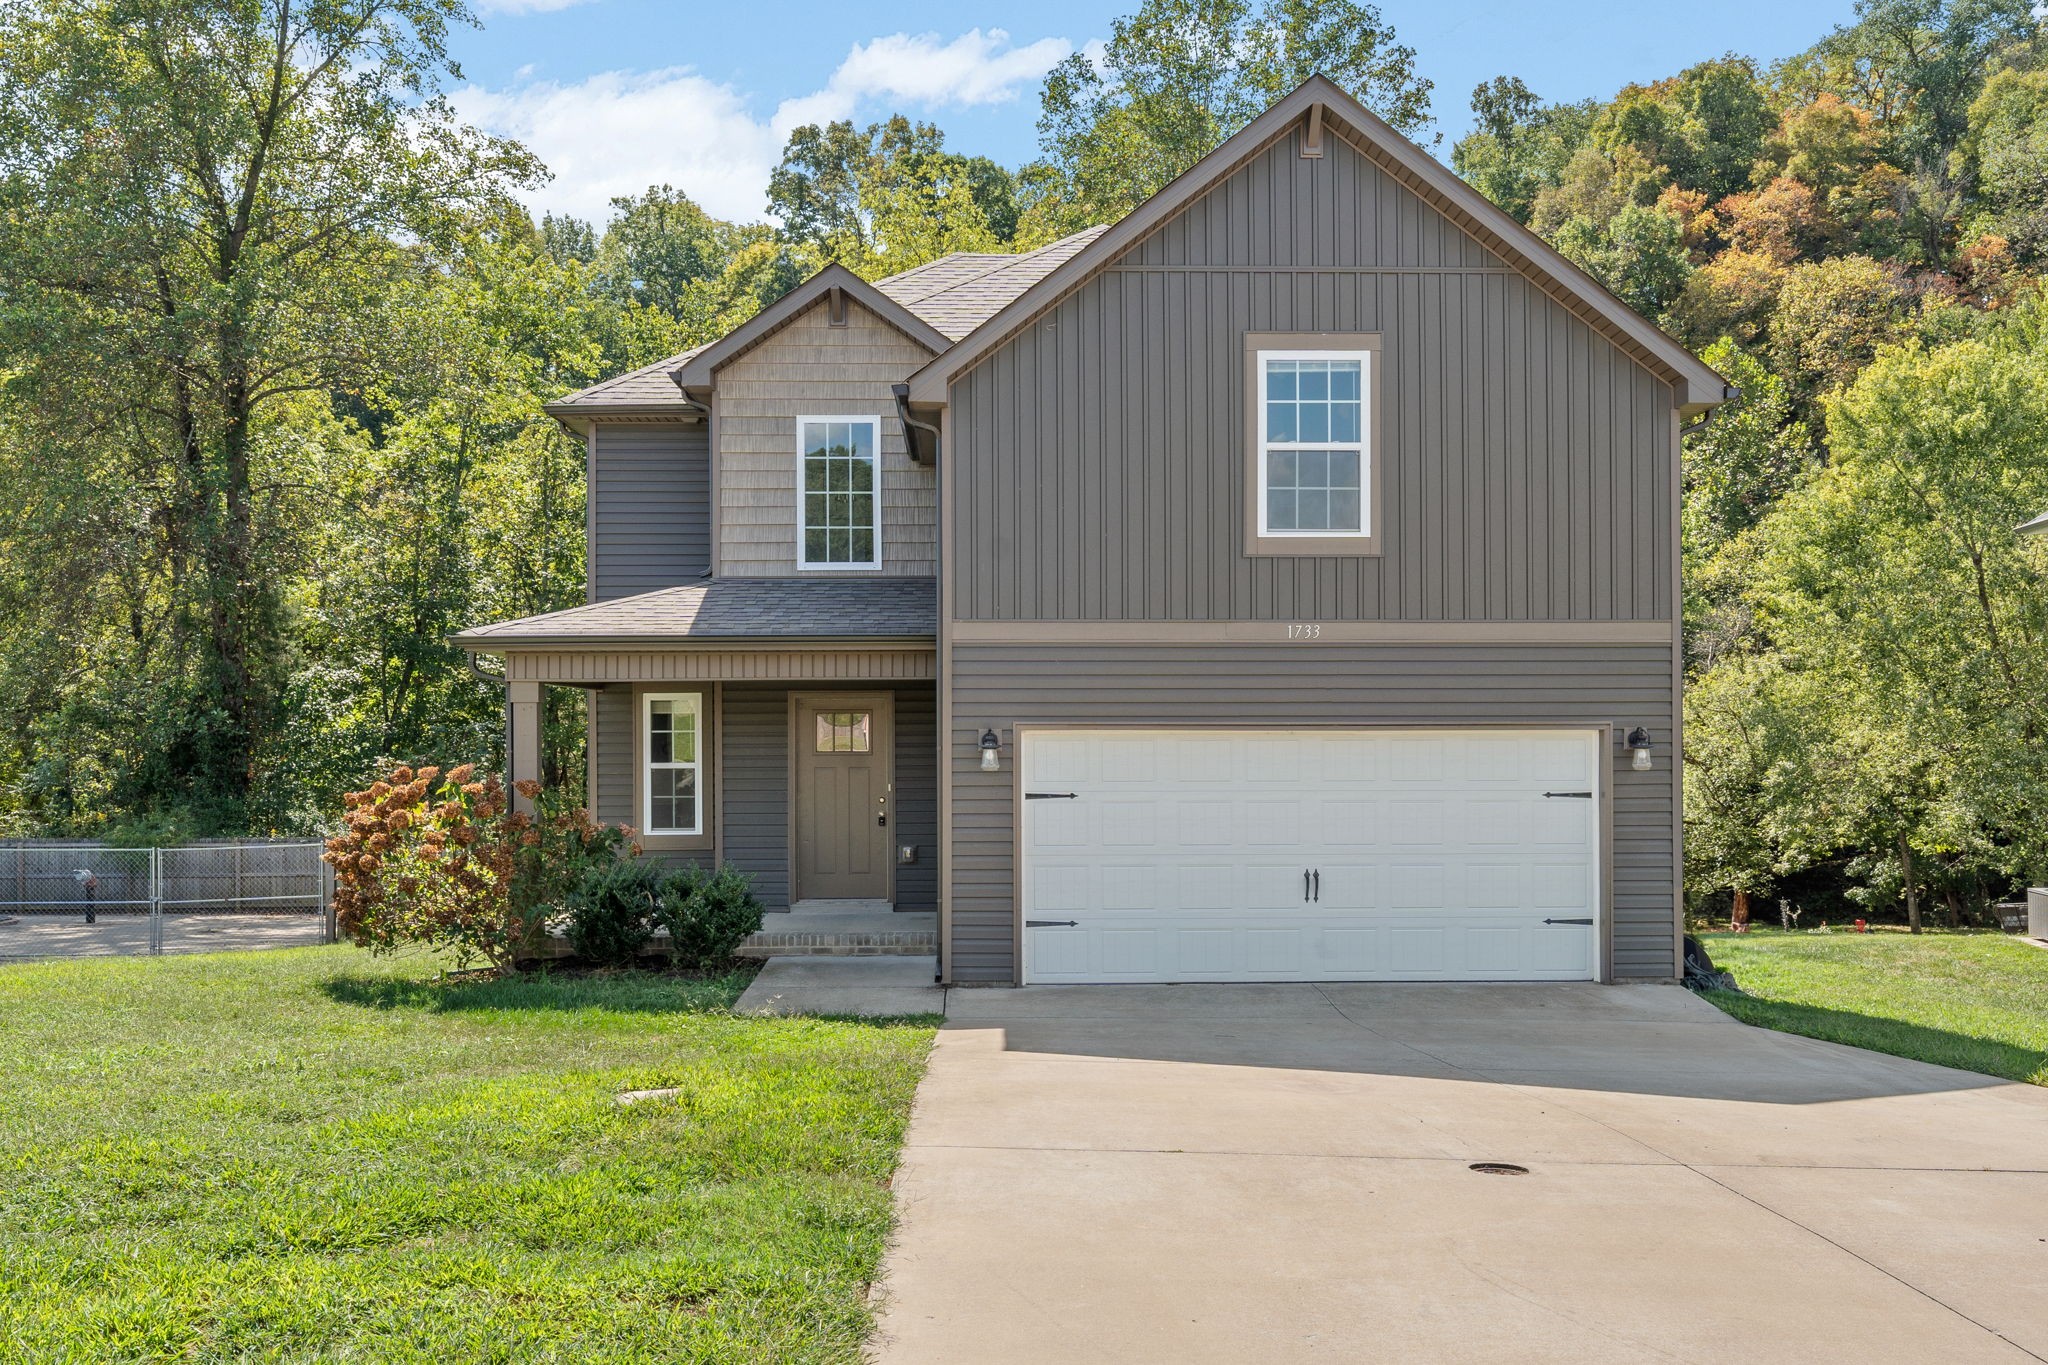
(612, 911)
(707, 916)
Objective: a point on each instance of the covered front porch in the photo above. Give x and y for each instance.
(785, 727)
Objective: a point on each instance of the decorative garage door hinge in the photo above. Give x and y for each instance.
(1583, 796)
(1051, 796)
(1052, 924)
(1568, 921)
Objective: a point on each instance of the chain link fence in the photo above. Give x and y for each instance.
(87, 900)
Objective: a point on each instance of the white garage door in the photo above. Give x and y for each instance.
(1310, 855)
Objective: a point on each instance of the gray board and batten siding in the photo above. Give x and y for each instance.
(650, 506)
(1094, 477)
(750, 799)
(1524, 460)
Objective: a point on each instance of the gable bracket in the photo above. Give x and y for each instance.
(1312, 132)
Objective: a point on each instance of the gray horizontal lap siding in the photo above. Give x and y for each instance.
(756, 770)
(650, 508)
(1326, 685)
(755, 766)
(1525, 471)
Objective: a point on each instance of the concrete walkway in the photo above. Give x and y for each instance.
(868, 986)
(1276, 1174)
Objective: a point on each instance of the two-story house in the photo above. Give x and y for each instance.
(1278, 584)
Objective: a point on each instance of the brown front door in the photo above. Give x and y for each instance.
(844, 807)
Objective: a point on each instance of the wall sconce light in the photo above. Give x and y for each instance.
(991, 751)
(1639, 740)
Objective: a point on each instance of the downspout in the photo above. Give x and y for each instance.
(902, 393)
(501, 682)
(1728, 394)
(703, 411)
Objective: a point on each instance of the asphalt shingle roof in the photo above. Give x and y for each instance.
(735, 608)
(955, 294)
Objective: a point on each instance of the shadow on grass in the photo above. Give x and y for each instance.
(634, 992)
(1899, 1038)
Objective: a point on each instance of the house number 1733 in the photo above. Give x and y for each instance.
(1304, 630)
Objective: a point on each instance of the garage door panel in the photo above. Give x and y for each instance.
(1415, 760)
(1205, 824)
(1130, 822)
(1413, 823)
(1182, 856)
(1211, 761)
(1207, 886)
(1270, 823)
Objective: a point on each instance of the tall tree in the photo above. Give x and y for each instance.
(1180, 76)
(889, 197)
(203, 202)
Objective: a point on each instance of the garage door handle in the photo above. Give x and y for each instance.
(1319, 886)
(1051, 796)
(1052, 924)
(1304, 886)
(1583, 796)
(1568, 921)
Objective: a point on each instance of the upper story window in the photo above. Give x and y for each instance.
(1312, 476)
(840, 505)
(672, 725)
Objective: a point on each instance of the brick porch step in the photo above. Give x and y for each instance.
(817, 929)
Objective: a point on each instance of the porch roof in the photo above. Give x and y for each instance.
(731, 609)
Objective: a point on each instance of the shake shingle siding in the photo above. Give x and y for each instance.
(813, 369)
(651, 490)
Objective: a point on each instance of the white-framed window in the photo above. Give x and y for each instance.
(1315, 455)
(671, 740)
(839, 492)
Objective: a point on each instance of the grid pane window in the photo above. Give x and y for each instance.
(672, 764)
(839, 502)
(845, 732)
(1312, 445)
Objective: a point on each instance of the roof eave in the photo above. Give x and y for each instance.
(500, 644)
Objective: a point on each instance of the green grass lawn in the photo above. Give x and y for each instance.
(315, 1155)
(1974, 1001)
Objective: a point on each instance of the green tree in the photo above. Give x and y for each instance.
(1519, 146)
(1830, 319)
(890, 197)
(1639, 254)
(205, 202)
(1180, 76)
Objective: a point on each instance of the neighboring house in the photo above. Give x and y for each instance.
(1305, 546)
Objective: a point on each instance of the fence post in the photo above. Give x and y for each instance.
(156, 902)
(332, 933)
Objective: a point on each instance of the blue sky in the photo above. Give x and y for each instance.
(618, 94)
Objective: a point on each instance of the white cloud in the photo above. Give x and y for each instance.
(618, 132)
(526, 6)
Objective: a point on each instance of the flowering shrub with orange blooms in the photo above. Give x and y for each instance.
(439, 859)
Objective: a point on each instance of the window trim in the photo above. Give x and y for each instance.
(1260, 347)
(646, 766)
(803, 563)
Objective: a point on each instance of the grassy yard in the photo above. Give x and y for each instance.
(1974, 1001)
(314, 1155)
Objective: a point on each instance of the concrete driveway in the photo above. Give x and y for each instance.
(1283, 1173)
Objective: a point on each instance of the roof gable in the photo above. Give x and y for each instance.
(1319, 108)
(699, 369)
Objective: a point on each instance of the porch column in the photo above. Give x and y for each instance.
(522, 731)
